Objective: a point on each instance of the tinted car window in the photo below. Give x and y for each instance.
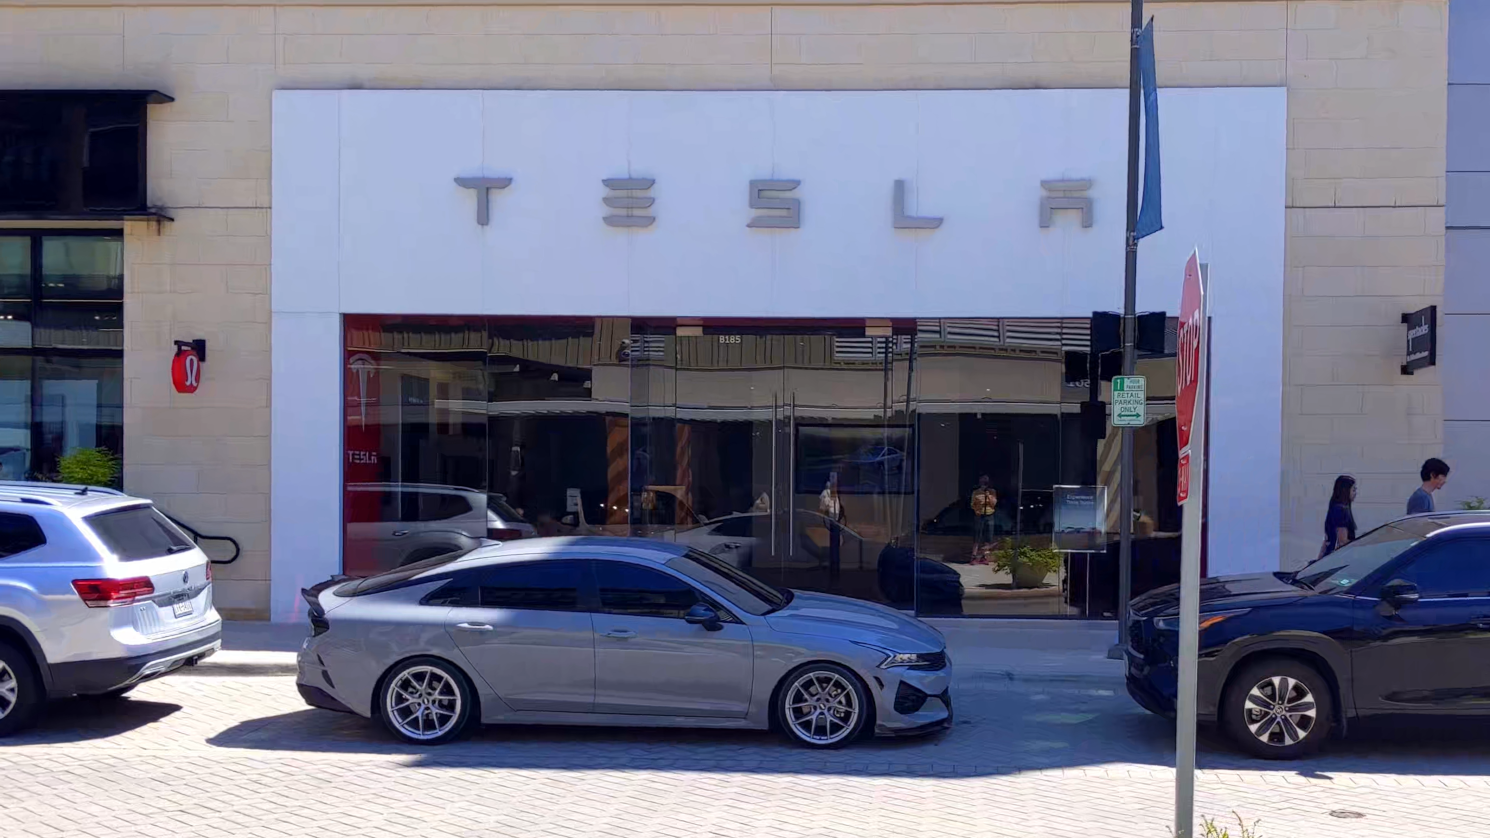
(534, 586)
(1459, 568)
(435, 506)
(19, 533)
(499, 505)
(138, 532)
(735, 527)
(742, 590)
(641, 591)
(1358, 559)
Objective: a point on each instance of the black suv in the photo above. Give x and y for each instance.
(1396, 622)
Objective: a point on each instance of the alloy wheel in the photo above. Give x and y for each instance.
(822, 707)
(1280, 711)
(423, 702)
(9, 690)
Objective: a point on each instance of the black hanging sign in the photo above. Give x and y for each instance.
(1422, 339)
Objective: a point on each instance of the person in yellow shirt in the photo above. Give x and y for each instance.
(984, 501)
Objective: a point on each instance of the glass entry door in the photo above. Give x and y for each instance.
(785, 451)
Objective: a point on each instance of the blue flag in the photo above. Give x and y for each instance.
(1151, 213)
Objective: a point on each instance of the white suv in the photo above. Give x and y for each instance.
(98, 592)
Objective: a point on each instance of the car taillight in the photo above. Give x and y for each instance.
(496, 534)
(108, 593)
(209, 571)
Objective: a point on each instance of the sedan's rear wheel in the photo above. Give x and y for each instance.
(823, 706)
(1278, 708)
(426, 701)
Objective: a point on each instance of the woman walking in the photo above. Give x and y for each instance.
(1339, 521)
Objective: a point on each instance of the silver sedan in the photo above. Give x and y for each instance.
(610, 631)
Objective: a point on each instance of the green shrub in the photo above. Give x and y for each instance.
(1046, 560)
(1475, 502)
(89, 467)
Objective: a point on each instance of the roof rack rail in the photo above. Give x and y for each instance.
(25, 499)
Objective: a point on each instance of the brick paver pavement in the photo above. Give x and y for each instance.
(241, 756)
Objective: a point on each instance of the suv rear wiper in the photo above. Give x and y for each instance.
(178, 548)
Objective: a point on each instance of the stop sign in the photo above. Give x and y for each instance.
(1187, 365)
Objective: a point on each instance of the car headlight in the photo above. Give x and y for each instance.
(1206, 620)
(928, 660)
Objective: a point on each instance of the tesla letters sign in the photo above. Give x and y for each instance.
(778, 209)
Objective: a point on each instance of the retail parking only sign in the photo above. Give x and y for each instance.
(1129, 401)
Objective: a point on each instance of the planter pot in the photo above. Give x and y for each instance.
(1027, 576)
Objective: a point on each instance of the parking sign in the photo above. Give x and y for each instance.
(1129, 401)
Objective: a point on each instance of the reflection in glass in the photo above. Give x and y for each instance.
(81, 405)
(61, 349)
(15, 291)
(927, 465)
(15, 417)
(82, 268)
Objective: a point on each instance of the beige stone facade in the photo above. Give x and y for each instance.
(1367, 101)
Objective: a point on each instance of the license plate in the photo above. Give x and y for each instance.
(182, 608)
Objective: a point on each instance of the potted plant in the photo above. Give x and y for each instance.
(1027, 565)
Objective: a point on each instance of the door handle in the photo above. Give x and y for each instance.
(400, 533)
(473, 626)
(621, 634)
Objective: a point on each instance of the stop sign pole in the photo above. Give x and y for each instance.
(1190, 409)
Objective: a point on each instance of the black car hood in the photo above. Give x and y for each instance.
(1218, 593)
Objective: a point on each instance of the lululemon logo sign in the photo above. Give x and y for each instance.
(186, 369)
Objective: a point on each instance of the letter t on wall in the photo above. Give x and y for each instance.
(483, 187)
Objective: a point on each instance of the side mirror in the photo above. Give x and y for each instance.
(702, 615)
(1399, 592)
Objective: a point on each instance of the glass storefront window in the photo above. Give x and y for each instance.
(15, 417)
(942, 468)
(15, 291)
(61, 349)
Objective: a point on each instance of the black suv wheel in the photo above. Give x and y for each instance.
(1278, 708)
(20, 690)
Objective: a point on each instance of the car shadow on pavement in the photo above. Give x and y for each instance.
(999, 731)
(84, 719)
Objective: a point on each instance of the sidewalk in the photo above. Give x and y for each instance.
(982, 650)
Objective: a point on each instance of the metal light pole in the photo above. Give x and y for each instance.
(1130, 329)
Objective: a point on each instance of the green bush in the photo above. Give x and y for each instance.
(1475, 502)
(89, 467)
(1046, 560)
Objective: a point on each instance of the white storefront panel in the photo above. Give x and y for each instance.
(368, 218)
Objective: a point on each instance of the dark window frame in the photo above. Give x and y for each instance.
(30, 109)
(39, 354)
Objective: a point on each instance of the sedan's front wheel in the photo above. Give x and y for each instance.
(1278, 708)
(426, 701)
(823, 705)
